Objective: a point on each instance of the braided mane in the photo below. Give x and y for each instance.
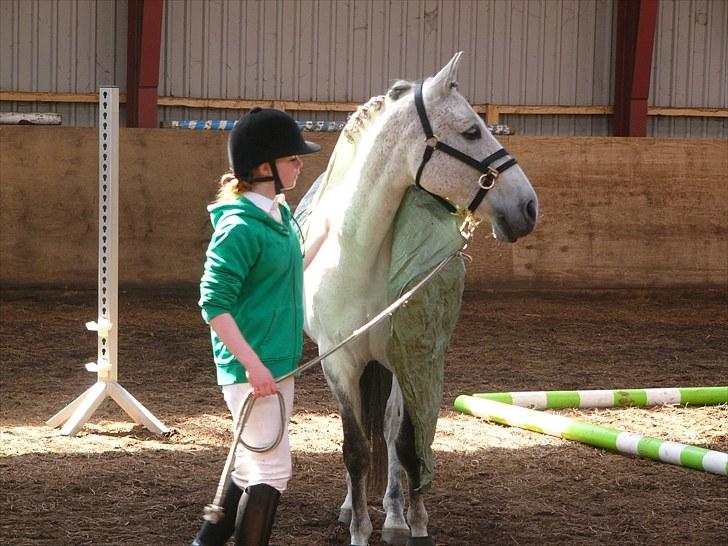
(369, 111)
(345, 150)
(364, 115)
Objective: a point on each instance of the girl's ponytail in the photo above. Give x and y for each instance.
(231, 188)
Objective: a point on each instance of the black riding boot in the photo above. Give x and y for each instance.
(256, 512)
(217, 534)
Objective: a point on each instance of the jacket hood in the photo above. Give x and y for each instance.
(245, 208)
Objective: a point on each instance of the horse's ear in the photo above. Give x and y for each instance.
(446, 78)
(398, 89)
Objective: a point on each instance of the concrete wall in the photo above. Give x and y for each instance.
(615, 212)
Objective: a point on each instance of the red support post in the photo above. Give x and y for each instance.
(142, 63)
(636, 21)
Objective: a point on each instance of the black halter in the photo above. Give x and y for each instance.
(490, 173)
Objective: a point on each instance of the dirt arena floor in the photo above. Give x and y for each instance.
(117, 484)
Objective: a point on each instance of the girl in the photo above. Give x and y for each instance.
(251, 296)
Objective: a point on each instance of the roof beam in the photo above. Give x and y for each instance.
(634, 44)
(142, 62)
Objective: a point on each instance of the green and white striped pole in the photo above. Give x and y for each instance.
(693, 396)
(688, 456)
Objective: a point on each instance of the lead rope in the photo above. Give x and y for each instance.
(214, 512)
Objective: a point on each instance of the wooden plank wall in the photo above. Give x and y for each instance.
(619, 212)
(615, 212)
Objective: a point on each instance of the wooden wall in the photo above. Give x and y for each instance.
(614, 212)
(619, 212)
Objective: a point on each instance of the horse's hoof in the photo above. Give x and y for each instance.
(397, 536)
(345, 516)
(420, 541)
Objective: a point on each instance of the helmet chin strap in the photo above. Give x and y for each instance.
(276, 179)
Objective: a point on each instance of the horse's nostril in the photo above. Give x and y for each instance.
(530, 212)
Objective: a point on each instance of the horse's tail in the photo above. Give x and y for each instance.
(375, 385)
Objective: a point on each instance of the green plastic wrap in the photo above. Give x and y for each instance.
(425, 233)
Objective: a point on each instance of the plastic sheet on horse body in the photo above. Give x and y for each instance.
(425, 233)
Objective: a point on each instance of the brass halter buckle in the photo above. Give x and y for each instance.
(432, 141)
(487, 180)
(468, 222)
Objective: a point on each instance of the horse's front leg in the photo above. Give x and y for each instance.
(395, 530)
(343, 379)
(345, 509)
(416, 513)
(356, 459)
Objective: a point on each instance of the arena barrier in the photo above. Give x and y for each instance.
(30, 118)
(315, 126)
(227, 125)
(691, 396)
(600, 228)
(688, 456)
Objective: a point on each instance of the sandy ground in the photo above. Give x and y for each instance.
(117, 484)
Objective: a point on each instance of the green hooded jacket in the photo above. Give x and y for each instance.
(254, 271)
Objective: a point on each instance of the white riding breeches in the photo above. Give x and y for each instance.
(272, 467)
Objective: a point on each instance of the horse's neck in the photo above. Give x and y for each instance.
(376, 194)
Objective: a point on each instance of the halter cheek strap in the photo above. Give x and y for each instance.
(489, 173)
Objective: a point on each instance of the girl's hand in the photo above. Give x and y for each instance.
(317, 237)
(261, 380)
(259, 377)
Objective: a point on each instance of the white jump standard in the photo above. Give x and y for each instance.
(75, 414)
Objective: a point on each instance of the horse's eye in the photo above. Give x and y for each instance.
(473, 133)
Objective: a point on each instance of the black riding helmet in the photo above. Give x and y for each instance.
(262, 136)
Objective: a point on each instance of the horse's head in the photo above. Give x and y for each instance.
(461, 160)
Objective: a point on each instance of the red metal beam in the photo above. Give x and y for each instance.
(142, 62)
(635, 40)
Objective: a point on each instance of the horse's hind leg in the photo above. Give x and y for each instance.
(395, 530)
(416, 514)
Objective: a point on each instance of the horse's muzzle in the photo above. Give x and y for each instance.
(510, 228)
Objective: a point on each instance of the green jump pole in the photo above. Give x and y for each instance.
(698, 458)
(692, 396)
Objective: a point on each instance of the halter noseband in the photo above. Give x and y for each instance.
(487, 179)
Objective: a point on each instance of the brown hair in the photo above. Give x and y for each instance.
(231, 188)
